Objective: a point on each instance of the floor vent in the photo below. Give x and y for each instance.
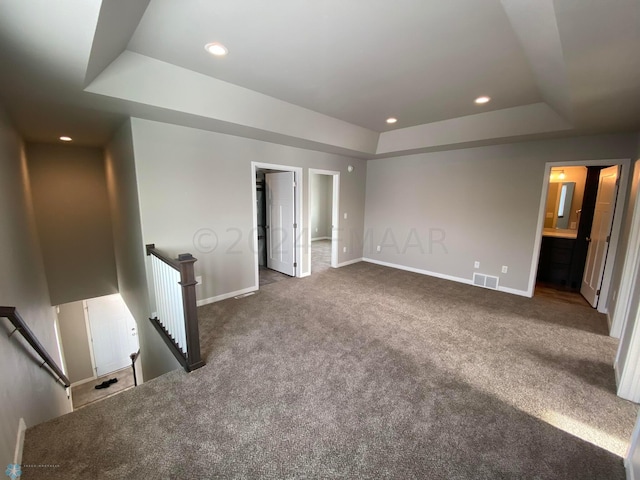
(486, 281)
(244, 295)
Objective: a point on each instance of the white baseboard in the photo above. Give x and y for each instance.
(304, 274)
(320, 238)
(514, 291)
(466, 281)
(86, 380)
(350, 262)
(609, 321)
(17, 455)
(224, 296)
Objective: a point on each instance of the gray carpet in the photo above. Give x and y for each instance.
(364, 372)
(320, 255)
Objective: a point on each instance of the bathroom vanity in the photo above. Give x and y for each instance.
(556, 255)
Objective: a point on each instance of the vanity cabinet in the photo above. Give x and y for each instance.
(554, 266)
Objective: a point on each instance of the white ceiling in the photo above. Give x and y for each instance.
(361, 61)
(324, 74)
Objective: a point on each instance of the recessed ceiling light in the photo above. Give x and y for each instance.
(483, 99)
(64, 138)
(216, 49)
(392, 120)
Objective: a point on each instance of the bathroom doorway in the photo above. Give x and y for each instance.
(579, 225)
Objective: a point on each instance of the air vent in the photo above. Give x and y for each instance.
(486, 281)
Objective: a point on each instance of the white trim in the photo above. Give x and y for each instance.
(466, 281)
(299, 179)
(633, 446)
(17, 453)
(320, 238)
(335, 216)
(616, 227)
(514, 291)
(629, 274)
(624, 164)
(349, 262)
(86, 380)
(443, 276)
(85, 310)
(305, 274)
(224, 296)
(629, 372)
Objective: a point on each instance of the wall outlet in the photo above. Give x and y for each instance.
(199, 280)
(476, 264)
(505, 269)
(316, 229)
(345, 215)
(344, 249)
(378, 248)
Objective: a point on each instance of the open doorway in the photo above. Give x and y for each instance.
(579, 224)
(98, 337)
(324, 188)
(277, 221)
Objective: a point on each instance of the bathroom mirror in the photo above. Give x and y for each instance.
(558, 209)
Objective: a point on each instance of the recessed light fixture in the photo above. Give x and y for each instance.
(64, 138)
(392, 120)
(483, 99)
(216, 49)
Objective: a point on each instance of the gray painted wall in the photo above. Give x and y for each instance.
(74, 225)
(75, 341)
(28, 391)
(321, 201)
(442, 211)
(155, 357)
(195, 183)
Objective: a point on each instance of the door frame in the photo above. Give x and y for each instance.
(255, 166)
(625, 165)
(625, 312)
(335, 216)
(630, 271)
(85, 310)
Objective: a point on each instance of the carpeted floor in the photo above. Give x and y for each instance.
(320, 255)
(364, 372)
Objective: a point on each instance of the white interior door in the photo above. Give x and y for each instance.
(280, 230)
(600, 235)
(113, 333)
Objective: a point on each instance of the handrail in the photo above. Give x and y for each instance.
(20, 326)
(134, 357)
(189, 356)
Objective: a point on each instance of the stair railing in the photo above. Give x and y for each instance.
(20, 326)
(176, 311)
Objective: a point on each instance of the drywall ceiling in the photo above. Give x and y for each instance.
(324, 74)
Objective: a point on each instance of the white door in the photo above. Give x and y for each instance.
(600, 235)
(280, 230)
(113, 333)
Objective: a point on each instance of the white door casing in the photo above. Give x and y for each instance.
(280, 230)
(335, 215)
(600, 234)
(113, 333)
